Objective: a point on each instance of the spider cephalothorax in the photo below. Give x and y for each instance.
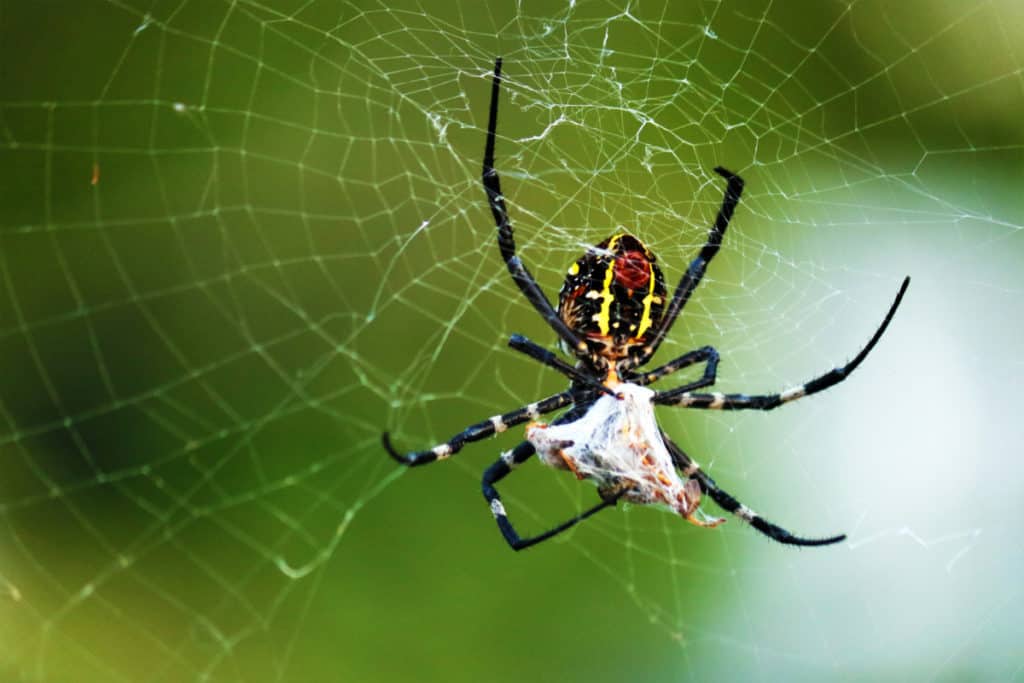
(612, 316)
(613, 296)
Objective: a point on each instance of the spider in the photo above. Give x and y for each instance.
(612, 316)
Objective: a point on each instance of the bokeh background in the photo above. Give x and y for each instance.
(240, 239)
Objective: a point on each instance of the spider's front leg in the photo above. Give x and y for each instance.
(480, 430)
(500, 469)
(686, 465)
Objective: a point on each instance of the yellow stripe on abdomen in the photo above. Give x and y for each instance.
(603, 316)
(645, 319)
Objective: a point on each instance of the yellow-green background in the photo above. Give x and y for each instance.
(238, 240)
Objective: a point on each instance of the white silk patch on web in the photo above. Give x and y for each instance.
(618, 446)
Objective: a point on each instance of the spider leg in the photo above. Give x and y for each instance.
(548, 358)
(480, 430)
(506, 241)
(683, 397)
(499, 470)
(691, 469)
(693, 275)
(706, 354)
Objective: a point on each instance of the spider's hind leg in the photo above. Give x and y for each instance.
(689, 468)
(506, 240)
(692, 277)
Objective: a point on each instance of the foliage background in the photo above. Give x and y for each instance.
(239, 239)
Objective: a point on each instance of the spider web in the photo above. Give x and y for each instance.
(240, 239)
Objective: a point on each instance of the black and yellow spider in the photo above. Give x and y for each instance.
(612, 316)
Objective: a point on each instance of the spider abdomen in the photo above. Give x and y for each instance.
(613, 295)
(612, 316)
(617, 445)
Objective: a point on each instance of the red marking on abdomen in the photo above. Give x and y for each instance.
(632, 270)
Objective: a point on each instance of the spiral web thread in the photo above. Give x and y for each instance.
(241, 239)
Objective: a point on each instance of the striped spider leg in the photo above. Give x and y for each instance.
(690, 469)
(506, 241)
(504, 466)
(683, 396)
(613, 314)
(480, 430)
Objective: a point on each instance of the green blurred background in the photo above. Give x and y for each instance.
(238, 240)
